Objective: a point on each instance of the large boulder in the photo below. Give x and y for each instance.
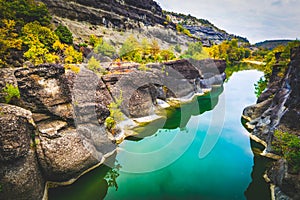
(20, 175)
(69, 110)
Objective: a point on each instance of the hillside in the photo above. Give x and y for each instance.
(203, 29)
(116, 20)
(271, 44)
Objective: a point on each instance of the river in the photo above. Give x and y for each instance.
(201, 152)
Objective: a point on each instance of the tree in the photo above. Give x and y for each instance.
(64, 34)
(67, 53)
(95, 66)
(167, 54)
(39, 41)
(104, 48)
(194, 51)
(155, 48)
(35, 30)
(8, 40)
(24, 11)
(129, 47)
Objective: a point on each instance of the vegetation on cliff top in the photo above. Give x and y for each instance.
(288, 145)
(279, 56)
(26, 34)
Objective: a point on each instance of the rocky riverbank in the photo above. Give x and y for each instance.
(59, 133)
(278, 109)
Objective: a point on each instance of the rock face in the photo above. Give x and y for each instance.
(145, 17)
(69, 119)
(110, 13)
(278, 108)
(20, 175)
(180, 79)
(203, 29)
(62, 132)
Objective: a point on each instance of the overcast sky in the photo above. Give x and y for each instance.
(256, 20)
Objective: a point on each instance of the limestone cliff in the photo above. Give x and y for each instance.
(278, 108)
(111, 13)
(112, 19)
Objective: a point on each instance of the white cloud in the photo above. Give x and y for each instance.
(255, 19)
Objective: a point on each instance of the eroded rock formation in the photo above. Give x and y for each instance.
(278, 108)
(177, 79)
(69, 139)
(20, 175)
(116, 13)
(61, 133)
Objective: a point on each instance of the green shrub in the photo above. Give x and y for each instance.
(95, 66)
(116, 114)
(24, 11)
(110, 123)
(289, 146)
(143, 67)
(104, 48)
(167, 54)
(93, 40)
(10, 92)
(177, 48)
(73, 68)
(64, 34)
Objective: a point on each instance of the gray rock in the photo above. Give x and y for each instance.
(69, 110)
(20, 175)
(278, 108)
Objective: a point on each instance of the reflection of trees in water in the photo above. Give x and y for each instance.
(93, 185)
(112, 175)
(258, 188)
(240, 67)
(179, 117)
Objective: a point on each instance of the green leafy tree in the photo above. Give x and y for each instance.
(167, 54)
(9, 41)
(64, 34)
(229, 51)
(95, 66)
(39, 41)
(104, 48)
(24, 11)
(194, 51)
(129, 47)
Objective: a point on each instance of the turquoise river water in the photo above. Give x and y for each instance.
(201, 152)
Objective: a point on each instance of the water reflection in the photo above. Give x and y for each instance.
(224, 174)
(92, 186)
(104, 177)
(179, 117)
